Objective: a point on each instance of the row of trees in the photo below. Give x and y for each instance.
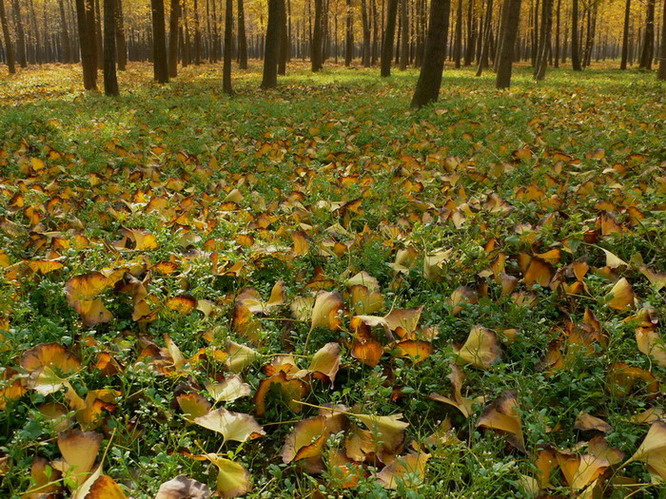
(104, 34)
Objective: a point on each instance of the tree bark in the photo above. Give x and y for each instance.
(284, 40)
(316, 48)
(272, 44)
(349, 34)
(66, 47)
(110, 77)
(85, 15)
(544, 40)
(160, 67)
(197, 34)
(487, 32)
(457, 44)
(9, 47)
(661, 72)
(174, 30)
(404, 37)
(228, 41)
(389, 38)
(575, 45)
(121, 42)
(242, 37)
(648, 37)
(430, 79)
(21, 53)
(509, 35)
(366, 33)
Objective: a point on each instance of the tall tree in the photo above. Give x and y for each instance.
(98, 36)
(21, 51)
(661, 72)
(487, 35)
(575, 44)
(110, 77)
(544, 39)
(160, 66)
(625, 35)
(197, 34)
(389, 38)
(457, 43)
(404, 36)
(647, 53)
(85, 16)
(228, 46)
(242, 37)
(272, 44)
(366, 33)
(9, 46)
(507, 46)
(430, 78)
(284, 40)
(349, 34)
(121, 42)
(64, 31)
(174, 31)
(317, 41)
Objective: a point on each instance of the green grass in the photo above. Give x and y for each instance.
(307, 135)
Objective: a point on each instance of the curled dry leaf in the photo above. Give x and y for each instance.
(326, 310)
(79, 450)
(291, 389)
(183, 487)
(230, 389)
(652, 450)
(231, 425)
(233, 479)
(503, 414)
(481, 349)
(406, 471)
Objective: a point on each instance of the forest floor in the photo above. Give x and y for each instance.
(179, 270)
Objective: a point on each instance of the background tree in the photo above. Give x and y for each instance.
(85, 15)
(349, 33)
(486, 38)
(430, 78)
(66, 44)
(648, 37)
(121, 42)
(389, 38)
(316, 53)
(661, 72)
(625, 35)
(160, 67)
(507, 46)
(575, 44)
(110, 77)
(272, 45)
(242, 37)
(7, 37)
(174, 33)
(21, 54)
(228, 46)
(544, 39)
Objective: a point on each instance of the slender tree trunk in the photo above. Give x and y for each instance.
(21, 53)
(242, 37)
(98, 36)
(648, 37)
(471, 34)
(430, 78)
(625, 35)
(284, 40)
(197, 34)
(272, 49)
(228, 41)
(366, 33)
(85, 14)
(110, 78)
(575, 45)
(160, 66)
(349, 34)
(404, 47)
(9, 47)
(544, 40)
(316, 48)
(558, 13)
(457, 44)
(66, 47)
(487, 33)
(389, 38)
(38, 48)
(174, 30)
(509, 35)
(121, 42)
(661, 72)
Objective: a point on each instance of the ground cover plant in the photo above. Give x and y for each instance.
(312, 291)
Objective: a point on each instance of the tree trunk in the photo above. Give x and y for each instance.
(544, 40)
(316, 48)
(272, 45)
(457, 44)
(471, 34)
(661, 72)
(197, 34)
(389, 38)
(284, 40)
(509, 35)
(110, 78)
(21, 53)
(349, 36)
(430, 79)
(160, 66)
(404, 42)
(487, 33)
(625, 35)
(366, 33)
(558, 13)
(174, 29)
(85, 15)
(228, 41)
(575, 46)
(242, 37)
(121, 43)
(648, 37)
(9, 47)
(66, 47)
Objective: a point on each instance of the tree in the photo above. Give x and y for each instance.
(544, 39)
(625, 35)
(457, 43)
(575, 44)
(66, 48)
(160, 67)
(487, 34)
(110, 77)
(242, 37)
(389, 38)
(507, 46)
(349, 34)
(404, 36)
(661, 72)
(85, 16)
(272, 45)
(284, 40)
(648, 37)
(174, 30)
(366, 34)
(121, 43)
(316, 48)
(21, 54)
(430, 78)
(9, 47)
(228, 41)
